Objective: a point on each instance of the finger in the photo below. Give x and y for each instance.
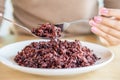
(110, 12)
(106, 29)
(109, 22)
(111, 40)
(0, 14)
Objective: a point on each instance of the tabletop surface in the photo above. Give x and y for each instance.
(110, 71)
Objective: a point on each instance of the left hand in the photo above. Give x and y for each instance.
(107, 28)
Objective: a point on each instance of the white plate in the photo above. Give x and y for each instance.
(8, 52)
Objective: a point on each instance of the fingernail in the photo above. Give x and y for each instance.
(92, 23)
(97, 19)
(94, 29)
(103, 11)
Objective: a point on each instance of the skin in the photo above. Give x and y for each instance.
(107, 27)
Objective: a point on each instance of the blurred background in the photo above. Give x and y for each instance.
(5, 26)
(5, 36)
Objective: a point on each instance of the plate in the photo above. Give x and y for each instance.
(7, 54)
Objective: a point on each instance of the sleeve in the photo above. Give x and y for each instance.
(2, 2)
(115, 4)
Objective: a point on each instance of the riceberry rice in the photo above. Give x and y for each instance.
(56, 54)
(47, 30)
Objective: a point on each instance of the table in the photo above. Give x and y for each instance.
(108, 72)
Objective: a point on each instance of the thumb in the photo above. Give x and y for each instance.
(110, 12)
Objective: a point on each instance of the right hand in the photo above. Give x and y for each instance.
(106, 28)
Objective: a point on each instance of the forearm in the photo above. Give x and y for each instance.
(2, 2)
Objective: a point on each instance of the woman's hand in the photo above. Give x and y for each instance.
(106, 27)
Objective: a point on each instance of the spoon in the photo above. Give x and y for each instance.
(63, 25)
(23, 27)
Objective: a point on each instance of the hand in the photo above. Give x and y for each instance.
(106, 27)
